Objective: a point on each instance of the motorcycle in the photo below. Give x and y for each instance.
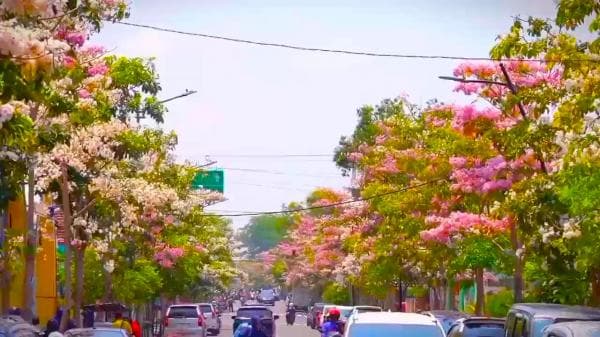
(290, 317)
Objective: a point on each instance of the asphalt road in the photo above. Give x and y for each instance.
(299, 329)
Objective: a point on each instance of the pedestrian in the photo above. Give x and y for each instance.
(230, 304)
(51, 326)
(136, 328)
(122, 323)
(14, 311)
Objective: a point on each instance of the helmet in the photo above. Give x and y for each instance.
(334, 313)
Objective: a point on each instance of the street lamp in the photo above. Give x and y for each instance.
(142, 114)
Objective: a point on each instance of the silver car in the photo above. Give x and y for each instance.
(212, 318)
(184, 320)
(96, 332)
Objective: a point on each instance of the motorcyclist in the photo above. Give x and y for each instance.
(333, 325)
(290, 314)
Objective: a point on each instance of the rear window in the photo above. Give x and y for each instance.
(484, 329)
(249, 313)
(394, 330)
(267, 294)
(361, 310)
(206, 309)
(183, 312)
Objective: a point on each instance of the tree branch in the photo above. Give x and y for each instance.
(85, 208)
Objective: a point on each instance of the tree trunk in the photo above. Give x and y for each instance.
(400, 296)
(480, 304)
(79, 288)
(31, 240)
(5, 276)
(450, 299)
(67, 220)
(518, 276)
(595, 281)
(108, 294)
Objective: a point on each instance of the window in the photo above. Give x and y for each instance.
(519, 327)
(510, 325)
(454, 331)
(183, 312)
(249, 313)
(392, 330)
(206, 309)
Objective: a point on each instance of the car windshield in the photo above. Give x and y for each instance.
(393, 330)
(539, 324)
(248, 313)
(346, 312)
(206, 309)
(360, 310)
(183, 312)
(484, 329)
(267, 294)
(95, 333)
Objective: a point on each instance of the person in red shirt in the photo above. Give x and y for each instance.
(136, 329)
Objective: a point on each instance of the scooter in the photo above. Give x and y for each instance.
(290, 318)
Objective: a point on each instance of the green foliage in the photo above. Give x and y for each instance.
(264, 232)
(279, 269)
(498, 304)
(337, 294)
(138, 284)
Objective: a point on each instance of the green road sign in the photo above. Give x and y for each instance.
(213, 180)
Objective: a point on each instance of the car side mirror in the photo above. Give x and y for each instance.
(276, 317)
(232, 317)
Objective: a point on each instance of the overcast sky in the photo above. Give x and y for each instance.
(266, 101)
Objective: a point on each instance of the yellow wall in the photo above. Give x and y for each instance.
(46, 272)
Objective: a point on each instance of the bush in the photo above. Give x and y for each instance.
(498, 304)
(337, 294)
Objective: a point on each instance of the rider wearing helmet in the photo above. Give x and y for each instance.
(333, 324)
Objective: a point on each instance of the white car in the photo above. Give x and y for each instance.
(392, 324)
(184, 319)
(211, 317)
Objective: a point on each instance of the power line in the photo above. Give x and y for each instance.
(328, 205)
(342, 51)
(268, 155)
(277, 172)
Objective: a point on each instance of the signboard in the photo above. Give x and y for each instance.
(213, 180)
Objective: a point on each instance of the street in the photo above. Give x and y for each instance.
(299, 329)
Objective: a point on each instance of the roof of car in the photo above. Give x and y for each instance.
(203, 304)
(558, 310)
(366, 307)
(183, 305)
(483, 319)
(393, 318)
(253, 307)
(446, 313)
(578, 328)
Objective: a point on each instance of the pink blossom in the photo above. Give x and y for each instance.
(200, 248)
(76, 38)
(461, 222)
(83, 93)
(169, 219)
(98, 69)
(389, 165)
(458, 162)
(355, 157)
(69, 62)
(379, 140)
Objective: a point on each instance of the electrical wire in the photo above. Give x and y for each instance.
(297, 210)
(342, 51)
(268, 155)
(277, 172)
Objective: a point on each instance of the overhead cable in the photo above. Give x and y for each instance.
(342, 51)
(297, 210)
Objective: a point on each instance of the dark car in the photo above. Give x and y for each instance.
(312, 319)
(477, 327)
(267, 296)
(245, 314)
(446, 317)
(573, 329)
(530, 319)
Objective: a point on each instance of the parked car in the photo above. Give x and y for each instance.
(15, 326)
(184, 319)
(245, 314)
(212, 318)
(96, 332)
(267, 296)
(392, 324)
(315, 311)
(446, 317)
(477, 327)
(573, 329)
(530, 319)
